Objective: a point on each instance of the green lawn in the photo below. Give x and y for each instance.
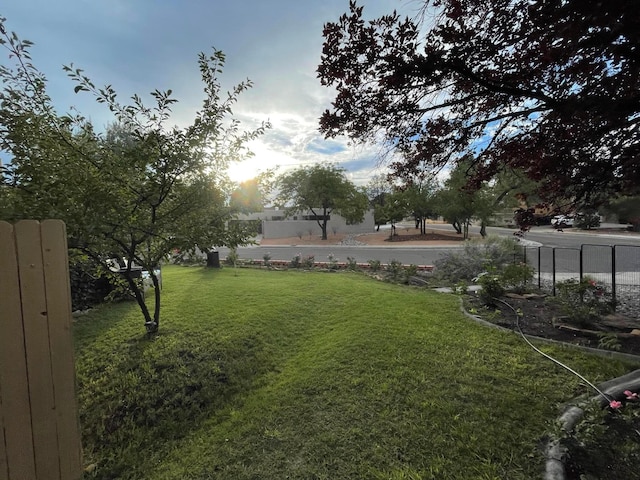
(307, 375)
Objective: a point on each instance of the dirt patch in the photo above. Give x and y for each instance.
(542, 318)
(427, 237)
(404, 236)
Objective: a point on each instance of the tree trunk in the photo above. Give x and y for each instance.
(156, 305)
(483, 229)
(457, 226)
(149, 322)
(324, 224)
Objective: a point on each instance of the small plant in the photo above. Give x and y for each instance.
(394, 267)
(267, 259)
(492, 287)
(300, 233)
(583, 301)
(492, 316)
(296, 261)
(351, 263)
(374, 265)
(308, 261)
(333, 262)
(410, 271)
(462, 287)
(232, 257)
(609, 341)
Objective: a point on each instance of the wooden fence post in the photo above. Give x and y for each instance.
(40, 434)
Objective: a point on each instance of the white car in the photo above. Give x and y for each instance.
(560, 221)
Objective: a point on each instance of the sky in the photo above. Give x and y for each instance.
(138, 46)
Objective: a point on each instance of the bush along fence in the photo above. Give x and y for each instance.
(616, 267)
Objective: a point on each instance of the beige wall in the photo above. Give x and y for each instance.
(290, 227)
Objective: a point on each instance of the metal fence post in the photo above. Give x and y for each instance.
(581, 264)
(539, 267)
(613, 274)
(553, 269)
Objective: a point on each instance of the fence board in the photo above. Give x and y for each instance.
(36, 332)
(17, 445)
(38, 413)
(4, 467)
(56, 267)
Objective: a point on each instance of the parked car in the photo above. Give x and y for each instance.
(562, 221)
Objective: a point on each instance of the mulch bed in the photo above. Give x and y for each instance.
(543, 319)
(425, 237)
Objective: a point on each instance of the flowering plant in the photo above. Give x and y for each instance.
(607, 438)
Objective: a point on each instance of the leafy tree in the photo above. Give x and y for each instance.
(395, 209)
(627, 209)
(136, 192)
(419, 195)
(548, 87)
(247, 197)
(252, 195)
(378, 190)
(321, 190)
(460, 205)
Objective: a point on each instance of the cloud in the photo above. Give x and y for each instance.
(141, 46)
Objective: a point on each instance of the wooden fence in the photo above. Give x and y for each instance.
(39, 428)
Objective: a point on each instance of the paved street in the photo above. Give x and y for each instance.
(628, 259)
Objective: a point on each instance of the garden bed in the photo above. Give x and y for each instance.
(542, 318)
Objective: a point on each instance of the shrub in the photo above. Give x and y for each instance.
(333, 262)
(394, 268)
(296, 261)
(492, 287)
(476, 257)
(374, 265)
(351, 263)
(516, 276)
(267, 259)
(583, 301)
(410, 271)
(89, 286)
(187, 257)
(587, 220)
(606, 440)
(308, 261)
